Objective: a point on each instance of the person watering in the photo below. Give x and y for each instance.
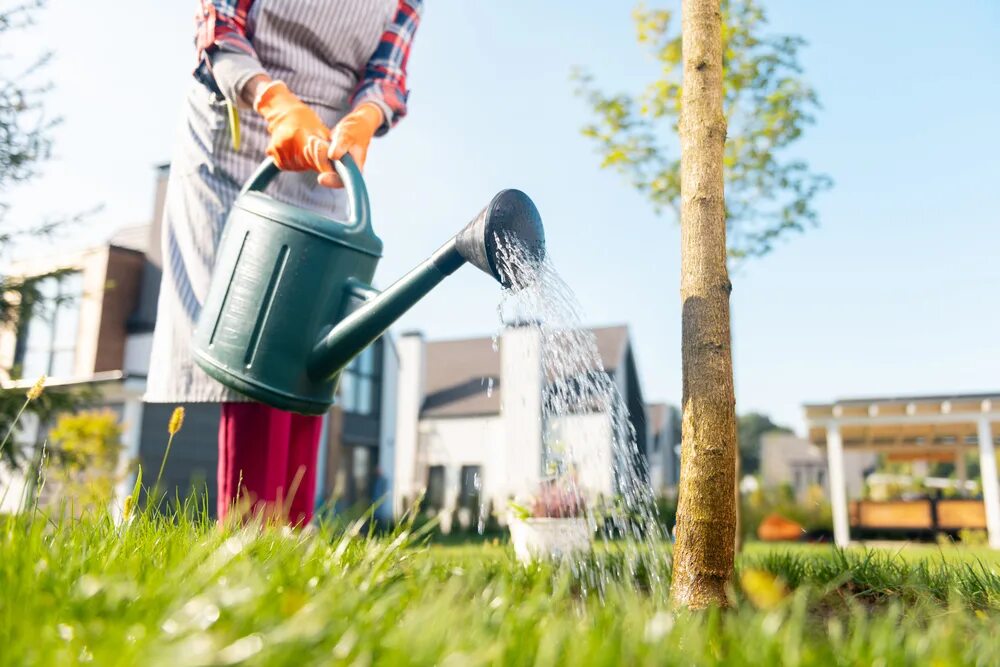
(274, 76)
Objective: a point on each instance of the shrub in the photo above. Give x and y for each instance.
(85, 464)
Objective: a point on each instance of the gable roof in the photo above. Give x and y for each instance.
(463, 376)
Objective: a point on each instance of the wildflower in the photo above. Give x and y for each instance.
(176, 421)
(173, 426)
(36, 389)
(764, 589)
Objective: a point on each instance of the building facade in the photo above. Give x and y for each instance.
(469, 427)
(785, 458)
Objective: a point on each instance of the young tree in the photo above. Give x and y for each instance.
(767, 105)
(85, 451)
(25, 142)
(706, 513)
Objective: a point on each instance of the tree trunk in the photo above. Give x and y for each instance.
(706, 521)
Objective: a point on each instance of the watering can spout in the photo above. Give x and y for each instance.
(510, 219)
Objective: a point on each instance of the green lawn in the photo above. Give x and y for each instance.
(189, 593)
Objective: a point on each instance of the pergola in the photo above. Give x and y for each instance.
(933, 428)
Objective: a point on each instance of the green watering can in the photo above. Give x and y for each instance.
(291, 302)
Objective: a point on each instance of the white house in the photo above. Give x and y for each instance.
(785, 458)
(469, 420)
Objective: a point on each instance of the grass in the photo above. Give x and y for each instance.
(182, 591)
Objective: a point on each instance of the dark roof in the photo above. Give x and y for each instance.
(459, 372)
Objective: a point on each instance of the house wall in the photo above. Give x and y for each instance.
(94, 264)
(521, 409)
(664, 462)
(588, 448)
(481, 441)
(457, 442)
(782, 453)
(122, 281)
(410, 383)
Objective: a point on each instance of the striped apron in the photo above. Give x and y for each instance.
(320, 49)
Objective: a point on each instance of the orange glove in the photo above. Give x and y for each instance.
(352, 135)
(299, 138)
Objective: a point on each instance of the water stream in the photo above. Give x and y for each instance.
(622, 514)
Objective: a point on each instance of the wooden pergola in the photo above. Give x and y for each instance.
(930, 428)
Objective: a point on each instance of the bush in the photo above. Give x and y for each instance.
(84, 465)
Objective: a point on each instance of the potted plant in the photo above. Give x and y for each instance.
(553, 525)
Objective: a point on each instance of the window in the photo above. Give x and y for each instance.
(47, 341)
(435, 487)
(471, 484)
(359, 383)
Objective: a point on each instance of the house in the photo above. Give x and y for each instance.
(785, 458)
(95, 330)
(663, 447)
(469, 426)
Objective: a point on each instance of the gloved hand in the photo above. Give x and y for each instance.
(352, 135)
(299, 138)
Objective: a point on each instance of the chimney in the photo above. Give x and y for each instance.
(411, 385)
(154, 253)
(521, 411)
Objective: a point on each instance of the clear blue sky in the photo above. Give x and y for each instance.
(895, 292)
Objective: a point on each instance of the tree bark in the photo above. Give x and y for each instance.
(706, 521)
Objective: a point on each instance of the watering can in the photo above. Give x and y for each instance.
(291, 302)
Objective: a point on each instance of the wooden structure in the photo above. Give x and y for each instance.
(926, 428)
(917, 516)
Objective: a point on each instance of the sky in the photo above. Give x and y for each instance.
(895, 292)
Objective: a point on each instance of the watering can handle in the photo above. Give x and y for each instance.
(358, 211)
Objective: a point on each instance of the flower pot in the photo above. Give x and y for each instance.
(544, 538)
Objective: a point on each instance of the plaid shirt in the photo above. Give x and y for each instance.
(222, 24)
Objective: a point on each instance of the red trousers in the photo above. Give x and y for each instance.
(267, 460)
